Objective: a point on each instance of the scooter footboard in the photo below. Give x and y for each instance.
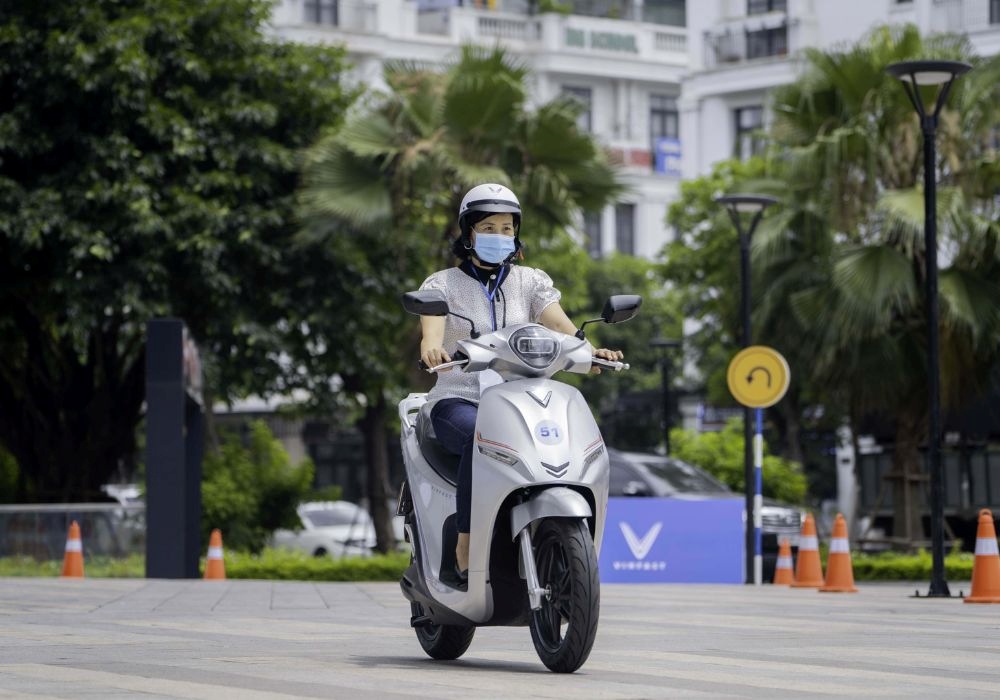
(557, 502)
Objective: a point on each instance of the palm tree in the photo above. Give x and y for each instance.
(844, 258)
(387, 185)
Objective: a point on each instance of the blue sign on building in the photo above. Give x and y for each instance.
(669, 540)
(667, 156)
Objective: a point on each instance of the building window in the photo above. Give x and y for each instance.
(663, 118)
(759, 7)
(321, 11)
(584, 96)
(670, 12)
(767, 42)
(593, 234)
(994, 11)
(625, 228)
(749, 122)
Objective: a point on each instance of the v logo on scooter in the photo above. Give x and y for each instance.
(543, 402)
(640, 548)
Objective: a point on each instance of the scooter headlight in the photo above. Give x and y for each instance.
(535, 346)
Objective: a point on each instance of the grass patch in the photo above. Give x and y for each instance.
(133, 566)
(274, 564)
(278, 564)
(298, 566)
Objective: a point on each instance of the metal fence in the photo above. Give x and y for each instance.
(39, 531)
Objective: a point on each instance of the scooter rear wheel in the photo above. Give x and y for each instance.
(443, 642)
(565, 627)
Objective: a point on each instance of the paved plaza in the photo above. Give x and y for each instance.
(261, 639)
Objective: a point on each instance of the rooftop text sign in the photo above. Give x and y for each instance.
(605, 41)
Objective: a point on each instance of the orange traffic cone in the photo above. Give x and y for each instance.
(783, 575)
(809, 569)
(215, 567)
(986, 567)
(839, 572)
(73, 557)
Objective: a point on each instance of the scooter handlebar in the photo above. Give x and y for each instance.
(610, 364)
(442, 366)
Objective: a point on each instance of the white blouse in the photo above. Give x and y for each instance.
(521, 299)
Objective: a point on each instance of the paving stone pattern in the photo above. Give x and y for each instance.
(260, 639)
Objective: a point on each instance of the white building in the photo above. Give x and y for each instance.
(741, 49)
(626, 71)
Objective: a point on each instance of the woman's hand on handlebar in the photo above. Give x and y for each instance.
(432, 357)
(605, 354)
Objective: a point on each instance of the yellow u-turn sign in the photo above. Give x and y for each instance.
(758, 376)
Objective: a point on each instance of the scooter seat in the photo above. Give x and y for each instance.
(442, 461)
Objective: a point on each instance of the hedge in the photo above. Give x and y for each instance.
(297, 566)
(294, 566)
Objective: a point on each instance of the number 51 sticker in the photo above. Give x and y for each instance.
(548, 432)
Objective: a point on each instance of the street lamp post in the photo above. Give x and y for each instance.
(913, 75)
(737, 205)
(665, 345)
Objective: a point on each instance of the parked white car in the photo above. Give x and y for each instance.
(330, 528)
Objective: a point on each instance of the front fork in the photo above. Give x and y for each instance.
(535, 591)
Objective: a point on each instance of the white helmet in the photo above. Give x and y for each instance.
(491, 198)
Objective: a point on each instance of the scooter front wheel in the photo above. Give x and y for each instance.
(443, 642)
(564, 628)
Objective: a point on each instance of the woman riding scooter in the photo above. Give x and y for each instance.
(490, 289)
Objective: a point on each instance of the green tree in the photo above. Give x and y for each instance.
(721, 455)
(384, 191)
(250, 488)
(638, 429)
(147, 168)
(846, 254)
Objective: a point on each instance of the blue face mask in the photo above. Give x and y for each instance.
(494, 247)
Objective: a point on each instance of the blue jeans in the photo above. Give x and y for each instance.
(454, 422)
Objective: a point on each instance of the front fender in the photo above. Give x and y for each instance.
(557, 502)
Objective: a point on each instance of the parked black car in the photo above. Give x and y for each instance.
(638, 474)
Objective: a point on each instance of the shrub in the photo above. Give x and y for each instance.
(248, 491)
(721, 455)
(298, 566)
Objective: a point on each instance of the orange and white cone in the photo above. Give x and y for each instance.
(986, 567)
(73, 557)
(839, 571)
(809, 568)
(215, 567)
(783, 574)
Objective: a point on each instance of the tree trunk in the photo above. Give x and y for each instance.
(377, 457)
(906, 477)
(786, 418)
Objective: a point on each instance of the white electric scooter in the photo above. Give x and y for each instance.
(539, 495)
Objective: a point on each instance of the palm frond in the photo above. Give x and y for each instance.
(971, 303)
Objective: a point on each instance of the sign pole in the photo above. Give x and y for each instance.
(758, 497)
(758, 377)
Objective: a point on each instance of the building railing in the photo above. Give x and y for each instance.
(509, 28)
(555, 32)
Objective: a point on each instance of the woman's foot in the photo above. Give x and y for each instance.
(462, 554)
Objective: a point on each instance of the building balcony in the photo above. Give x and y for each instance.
(967, 16)
(405, 21)
(766, 36)
(596, 36)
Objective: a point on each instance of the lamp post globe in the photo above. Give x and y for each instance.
(913, 75)
(738, 205)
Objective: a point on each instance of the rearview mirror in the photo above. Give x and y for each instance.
(621, 307)
(427, 302)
